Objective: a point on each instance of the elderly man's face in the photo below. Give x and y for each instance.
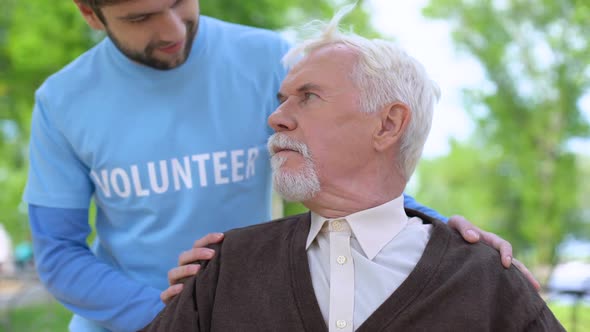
(320, 109)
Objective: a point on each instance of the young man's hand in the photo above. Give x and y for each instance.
(187, 266)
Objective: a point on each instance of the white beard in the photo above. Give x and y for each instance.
(298, 185)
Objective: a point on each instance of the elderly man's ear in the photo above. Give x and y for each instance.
(394, 119)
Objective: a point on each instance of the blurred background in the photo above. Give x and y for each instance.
(509, 148)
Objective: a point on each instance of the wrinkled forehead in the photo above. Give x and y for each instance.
(329, 67)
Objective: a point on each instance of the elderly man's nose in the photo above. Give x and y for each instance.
(280, 120)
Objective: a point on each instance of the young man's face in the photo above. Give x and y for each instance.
(155, 33)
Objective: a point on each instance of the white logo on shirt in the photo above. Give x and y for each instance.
(177, 173)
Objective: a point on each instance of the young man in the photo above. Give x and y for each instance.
(163, 123)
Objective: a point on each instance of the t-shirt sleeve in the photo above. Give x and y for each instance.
(57, 177)
(79, 280)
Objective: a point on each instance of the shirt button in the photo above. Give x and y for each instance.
(341, 260)
(340, 323)
(337, 225)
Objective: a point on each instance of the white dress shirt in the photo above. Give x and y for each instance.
(358, 261)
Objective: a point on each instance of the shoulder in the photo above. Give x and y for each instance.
(239, 31)
(247, 38)
(462, 252)
(257, 238)
(478, 260)
(258, 243)
(457, 251)
(73, 78)
(476, 270)
(271, 231)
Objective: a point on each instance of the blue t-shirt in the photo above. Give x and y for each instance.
(168, 156)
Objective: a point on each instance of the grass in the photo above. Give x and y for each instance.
(53, 317)
(50, 317)
(564, 314)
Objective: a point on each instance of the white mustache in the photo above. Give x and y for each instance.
(279, 141)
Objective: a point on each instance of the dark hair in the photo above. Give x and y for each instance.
(96, 6)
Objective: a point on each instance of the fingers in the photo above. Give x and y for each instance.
(177, 274)
(208, 239)
(527, 274)
(194, 255)
(185, 268)
(175, 278)
(505, 249)
(498, 243)
(167, 295)
(506, 254)
(198, 251)
(473, 234)
(469, 232)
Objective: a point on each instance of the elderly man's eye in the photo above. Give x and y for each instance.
(309, 96)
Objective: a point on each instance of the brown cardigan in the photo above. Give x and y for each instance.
(260, 281)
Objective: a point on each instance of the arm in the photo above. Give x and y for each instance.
(81, 282)
(58, 192)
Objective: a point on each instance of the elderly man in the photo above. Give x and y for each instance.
(350, 129)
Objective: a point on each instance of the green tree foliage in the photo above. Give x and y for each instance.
(459, 182)
(39, 37)
(518, 176)
(582, 229)
(276, 14)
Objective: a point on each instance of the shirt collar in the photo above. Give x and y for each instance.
(373, 228)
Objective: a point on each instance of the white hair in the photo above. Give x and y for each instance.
(384, 74)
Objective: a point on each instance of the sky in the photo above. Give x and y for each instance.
(429, 41)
